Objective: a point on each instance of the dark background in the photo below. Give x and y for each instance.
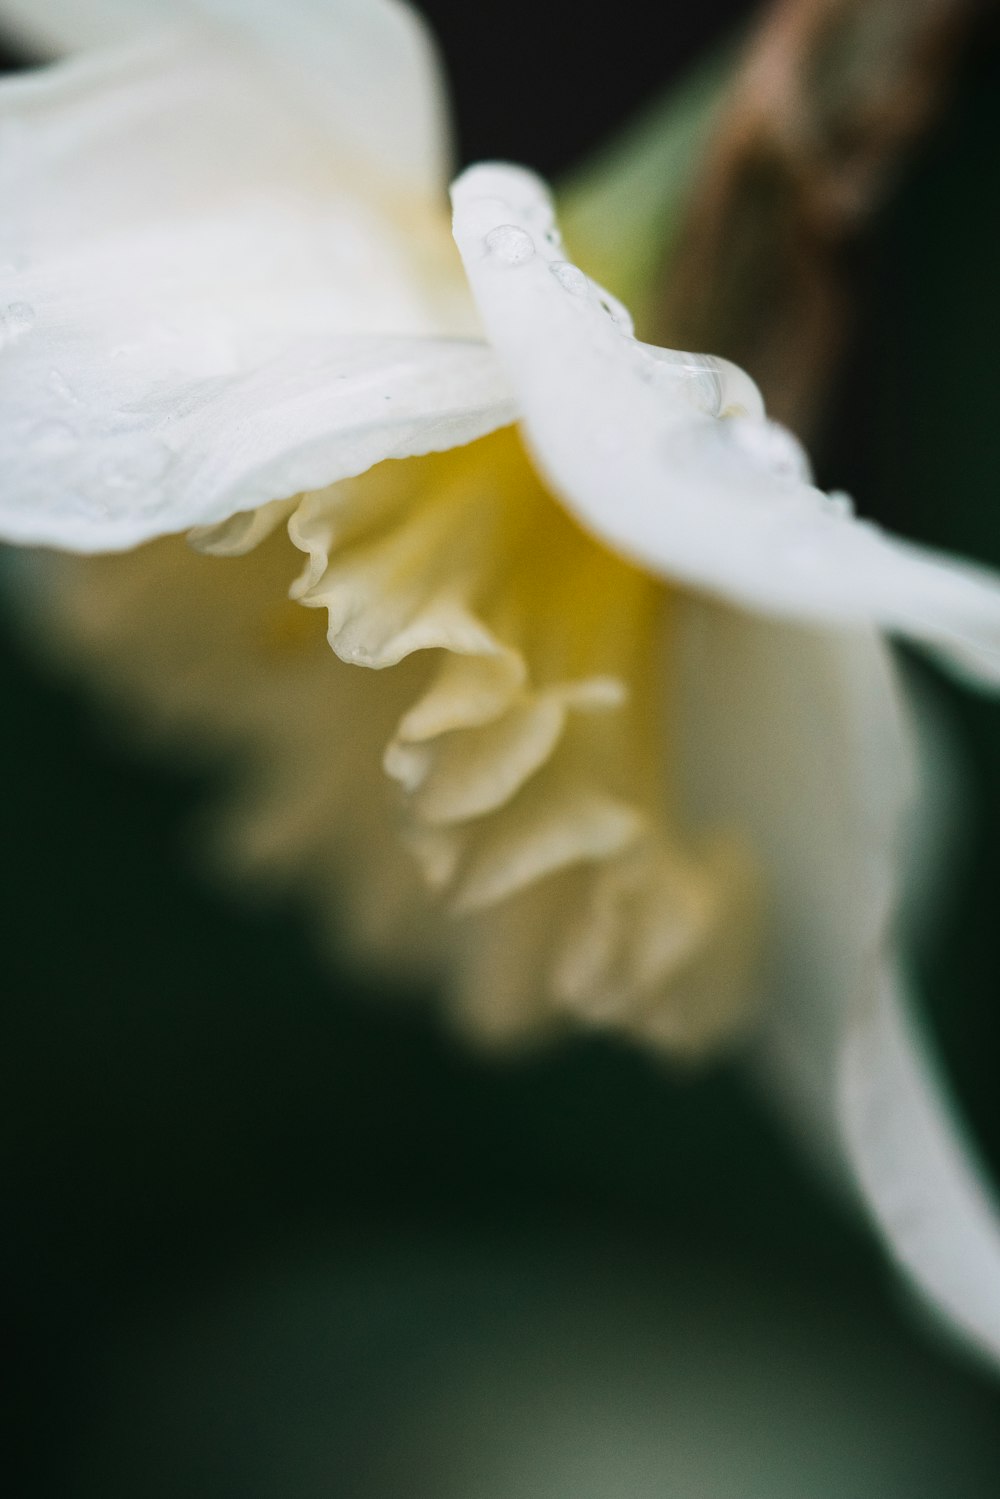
(192, 1102)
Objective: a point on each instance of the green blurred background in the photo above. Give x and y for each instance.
(272, 1231)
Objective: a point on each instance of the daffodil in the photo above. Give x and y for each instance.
(630, 747)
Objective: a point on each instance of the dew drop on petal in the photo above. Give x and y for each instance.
(618, 313)
(15, 319)
(703, 385)
(695, 377)
(711, 385)
(838, 504)
(771, 446)
(570, 277)
(510, 244)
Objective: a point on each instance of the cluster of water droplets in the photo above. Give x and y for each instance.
(713, 386)
(754, 461)
(513, 245)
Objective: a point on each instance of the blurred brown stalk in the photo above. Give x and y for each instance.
(827, 98)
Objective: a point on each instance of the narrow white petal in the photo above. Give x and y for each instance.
(922, 1182)
(668, 459)
(199, 312)
(798, 735)
(363, 69)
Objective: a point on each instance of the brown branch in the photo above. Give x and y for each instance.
(829, 96)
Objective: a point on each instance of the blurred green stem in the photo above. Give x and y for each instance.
(623, 211)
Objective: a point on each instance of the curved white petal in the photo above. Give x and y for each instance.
(365, 70)
(798, 736)
(923, 1184)
(103, 477)
(638, 445)
(202, 309)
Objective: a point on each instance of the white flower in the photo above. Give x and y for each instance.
(643, 731)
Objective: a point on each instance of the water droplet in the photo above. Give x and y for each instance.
(510, 244)
(740, 396)
(618, 313)
(696, 378)
(15, 319)
(838, 504)
(570, 277)
(771, 446)
(710, 384)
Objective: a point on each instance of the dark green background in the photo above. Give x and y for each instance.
(192, 1103)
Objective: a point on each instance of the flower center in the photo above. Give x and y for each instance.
(520, 745)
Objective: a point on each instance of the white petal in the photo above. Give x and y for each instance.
(197, 453)
(365, 70)
(924, 1185)
(193, 330)
(50, 28)
(632, 441)
(797, 735)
